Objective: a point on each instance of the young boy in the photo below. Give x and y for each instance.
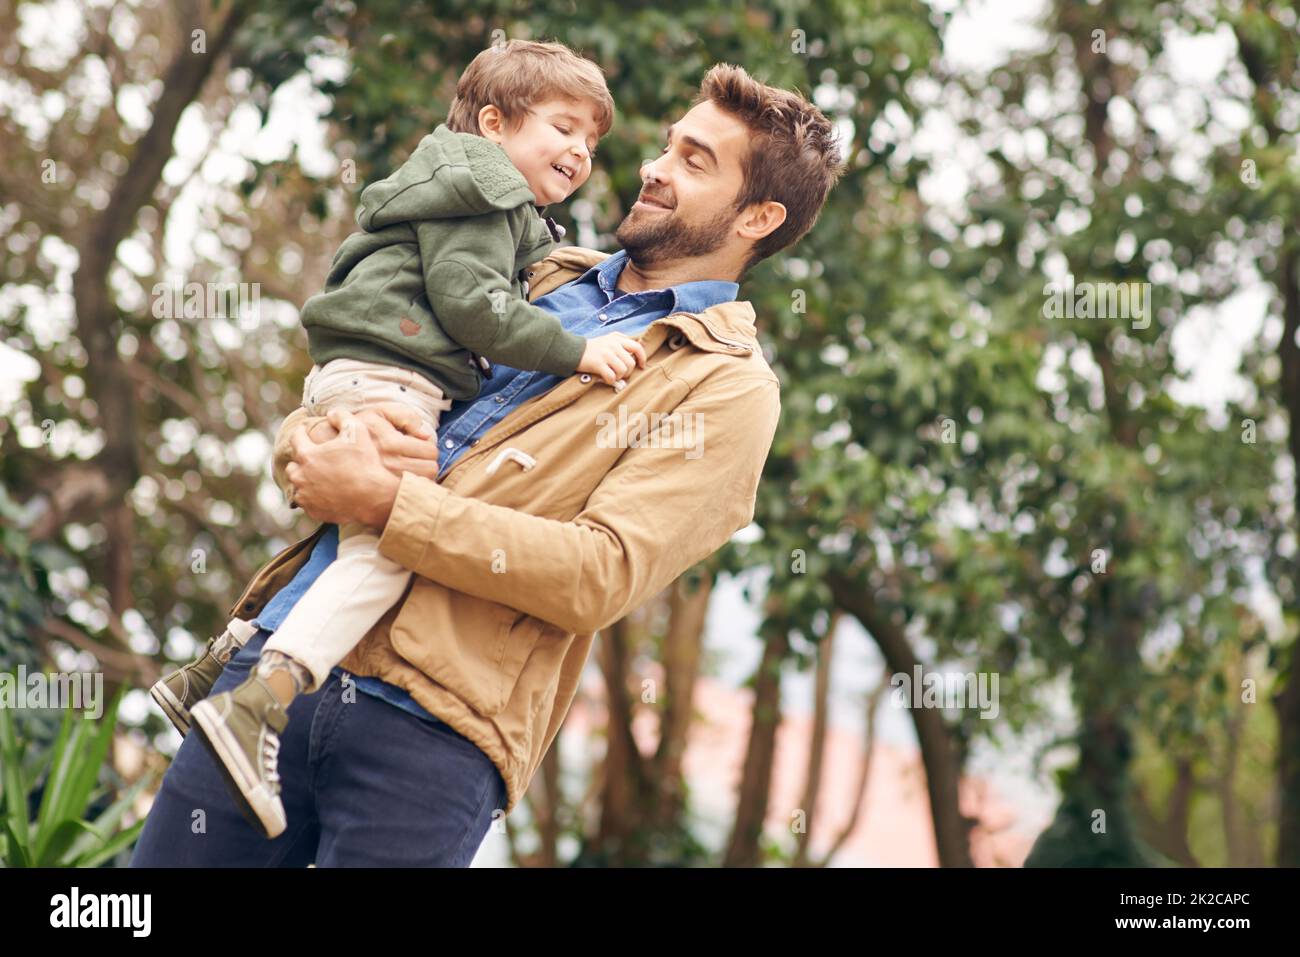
(415, 309)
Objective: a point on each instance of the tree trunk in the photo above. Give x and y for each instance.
(1095, 821)
(743, 848)
(625, 778)
(110, 385)
(683, 645)
(939, 751)
(817, 746)
(1286, 699)
(97, 322)
(544, 805)
(864, 775)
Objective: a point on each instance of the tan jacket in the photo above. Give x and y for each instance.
(557, 523)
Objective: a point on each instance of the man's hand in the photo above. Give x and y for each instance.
(403, 439)
(400, 433)
(343, 479)
(322, 431)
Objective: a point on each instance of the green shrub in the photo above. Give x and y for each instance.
(67, 776)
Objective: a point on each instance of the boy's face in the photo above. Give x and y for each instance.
(554, 133)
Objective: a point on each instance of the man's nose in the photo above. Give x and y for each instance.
(650, 171)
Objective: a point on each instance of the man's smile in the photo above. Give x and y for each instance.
(646, 201)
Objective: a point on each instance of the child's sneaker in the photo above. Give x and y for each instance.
(241, 729)
(181, 690)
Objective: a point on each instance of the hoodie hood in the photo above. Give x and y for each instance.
(449, 176)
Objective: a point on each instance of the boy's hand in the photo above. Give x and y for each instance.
(612, 356)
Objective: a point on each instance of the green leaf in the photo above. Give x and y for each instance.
(15, 790)
(18, 855)
(59, 840)
(108, 822)
(113, 846)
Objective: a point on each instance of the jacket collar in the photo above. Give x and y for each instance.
(726, 327)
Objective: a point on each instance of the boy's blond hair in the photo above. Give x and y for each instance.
(514, 75)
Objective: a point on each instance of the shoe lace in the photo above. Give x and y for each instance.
(270, 760)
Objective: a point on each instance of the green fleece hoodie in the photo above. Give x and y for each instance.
(434, 280)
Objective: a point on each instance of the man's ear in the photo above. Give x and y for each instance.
(760, 219)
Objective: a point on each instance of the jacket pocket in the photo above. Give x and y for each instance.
(474, 648)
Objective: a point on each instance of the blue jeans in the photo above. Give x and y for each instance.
(364, 784)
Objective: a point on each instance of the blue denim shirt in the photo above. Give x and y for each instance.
(590, 306)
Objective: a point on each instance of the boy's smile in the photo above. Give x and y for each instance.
(551, 145)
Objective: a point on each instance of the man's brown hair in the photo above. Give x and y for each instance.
(514, 75)
(793, 157)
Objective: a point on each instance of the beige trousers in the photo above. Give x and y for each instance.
(360, 585)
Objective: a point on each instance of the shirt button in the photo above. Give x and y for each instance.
(603, 317)
(447, 444)
(501, 398)
(474, 443)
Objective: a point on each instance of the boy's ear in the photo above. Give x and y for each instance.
(491, 123)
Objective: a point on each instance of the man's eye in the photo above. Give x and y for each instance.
(563, 130)
(695, 166)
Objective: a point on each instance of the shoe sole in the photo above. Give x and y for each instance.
(240, 778)
(172, 707)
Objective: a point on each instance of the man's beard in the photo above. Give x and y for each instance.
(659, 239)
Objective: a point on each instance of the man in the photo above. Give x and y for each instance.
(556, 508)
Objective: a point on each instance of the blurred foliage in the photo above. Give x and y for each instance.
(24, 590)
(1028, 496)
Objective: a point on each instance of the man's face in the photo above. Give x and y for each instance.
(686, 203)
